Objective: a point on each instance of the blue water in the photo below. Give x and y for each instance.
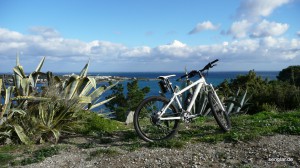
(149, 79)
(214, 78)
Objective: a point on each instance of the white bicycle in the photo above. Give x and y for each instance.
(157, 118)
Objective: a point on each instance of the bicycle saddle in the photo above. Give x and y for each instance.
(166, 77)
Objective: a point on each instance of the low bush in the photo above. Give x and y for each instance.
(93, 123)
(264, 94)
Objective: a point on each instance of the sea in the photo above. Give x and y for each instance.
(149, 79)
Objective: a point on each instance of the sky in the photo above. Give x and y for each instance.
(149, 35)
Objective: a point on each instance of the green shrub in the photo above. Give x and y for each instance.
(93, 123)
(265, 95)
(291, 75)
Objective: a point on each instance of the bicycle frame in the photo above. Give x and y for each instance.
(199, 83)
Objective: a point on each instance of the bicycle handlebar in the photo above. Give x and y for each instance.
(209, 65)
(195, 72)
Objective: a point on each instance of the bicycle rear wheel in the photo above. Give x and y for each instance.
(147, 124)
(220, 115)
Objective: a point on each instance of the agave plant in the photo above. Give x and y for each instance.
(7, 124)
(44, 113)
(16, 100)
(238, 103)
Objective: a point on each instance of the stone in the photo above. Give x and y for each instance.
(129, 118)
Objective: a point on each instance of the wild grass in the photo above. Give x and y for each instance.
(245, 127)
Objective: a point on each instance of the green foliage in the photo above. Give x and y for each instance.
(280, 95)
(122, 104)
(291, 75)
(93, 123)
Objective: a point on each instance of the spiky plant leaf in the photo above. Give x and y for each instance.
(242, 102)
(85, 99)
(101, 103)
(73, 89)
(31, 98)
(6, 133)
(56, 134)
(95, 94)
(93, 82)
(25, 86)
(21, 134)
(71, 86)
(7, 102)
(19, 71)
(8, 94)
(87, 86)
(83, 72)
(33, 78)
(39, 67)
(13, 111)
(42, 114)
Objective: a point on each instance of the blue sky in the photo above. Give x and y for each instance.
(156, 35)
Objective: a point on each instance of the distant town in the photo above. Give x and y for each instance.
(8, 78)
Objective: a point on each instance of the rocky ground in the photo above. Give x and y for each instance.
(268, 151)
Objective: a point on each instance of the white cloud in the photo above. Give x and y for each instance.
(7, 35)
(174, 49)
(298, 33)
(239, 29)
(254, 9)
(44, 31)
(207, 25)
(67, 54)
(266, 28)
(137, 52)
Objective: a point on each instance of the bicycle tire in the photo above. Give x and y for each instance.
(150, 128)
(221, 116)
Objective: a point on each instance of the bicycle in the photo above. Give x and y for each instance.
(157, 118)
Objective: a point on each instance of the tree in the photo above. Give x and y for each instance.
(122, 104)
(291, 75)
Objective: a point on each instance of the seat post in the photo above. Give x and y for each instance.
(170, 85)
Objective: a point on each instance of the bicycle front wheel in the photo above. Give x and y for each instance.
(147, 124)
(220, 115)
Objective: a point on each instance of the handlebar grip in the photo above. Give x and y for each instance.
(214, 61)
